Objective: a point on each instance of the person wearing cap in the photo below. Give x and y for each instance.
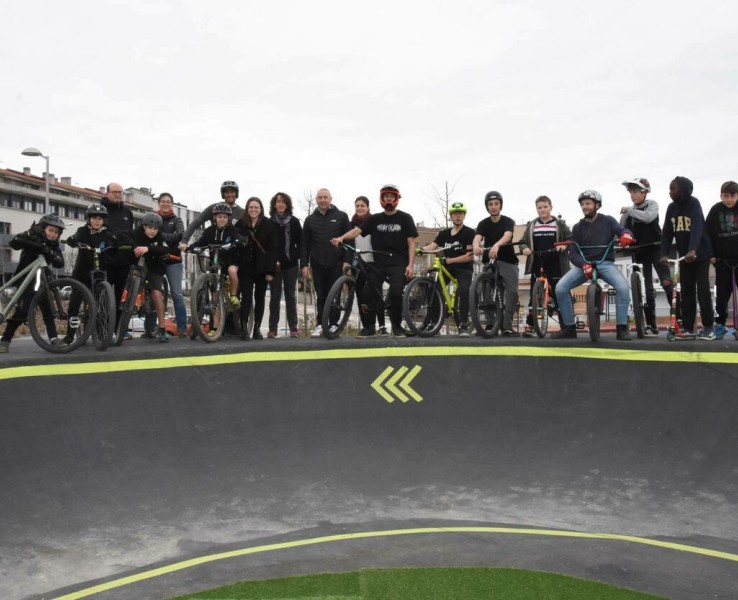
(593, 233)
(393, 233)
(684, 224)
(497, 232)
(642, 218)
(457, 242)
(540, 236)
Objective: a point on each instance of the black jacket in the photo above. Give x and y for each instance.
(685, 224)
(119, 222)
(288, 254)
(85, 263)
(227, 235)
(261, 253)
(317, 232)
(158, 249)
(32, 243)
(172, 230)
(207, 215)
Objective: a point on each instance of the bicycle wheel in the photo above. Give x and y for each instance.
(49, 318)
(104, 329)
(422, 307)
(208, 307)
(338, 304)
(593, 311)
(128, 305)
(638, 316)
(539, 308)
(485, 305)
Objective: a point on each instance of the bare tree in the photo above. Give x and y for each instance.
(442, 200)
(307, 203)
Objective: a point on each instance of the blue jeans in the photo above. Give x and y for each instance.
(607, 272)
(174, 278)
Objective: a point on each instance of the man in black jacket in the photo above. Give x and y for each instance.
(316, 252)
(120, 223)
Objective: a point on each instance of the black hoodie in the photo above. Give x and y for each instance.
(685, 224)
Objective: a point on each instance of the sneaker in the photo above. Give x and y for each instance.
(366, 332)
(235, 302)
(147, 335)
(257, 335)
(566, 332)
(333, 330)
(398, 332)
(463, 331)
(56, 342)
(382, 332)
(720, 330)
(294, 332)
(650, 330)
(687, 333)
(510, 333)
(529, 333)
(182, 334)
(272, 333)
(4, 347)
(163, 338)
(706, 334)
(127, 336)
(623, 333)
(317, 332)
(69, 338)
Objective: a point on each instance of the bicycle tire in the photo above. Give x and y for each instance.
(422, 307)
(43, 314)
(104, 329)
(539, 308)
(128, 306)
(338, 305)
(486, 305)
(208, 307)
(638, 316)
(593, 311)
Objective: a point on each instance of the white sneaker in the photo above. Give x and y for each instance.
(317, 332)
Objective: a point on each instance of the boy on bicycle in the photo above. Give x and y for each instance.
(642, 218)
(149, 242)
(594, 230)
(540, 236)
(457, 249)
(95, 235)
(39, 239)
(497, 232)
(222, 231)
(722, 227)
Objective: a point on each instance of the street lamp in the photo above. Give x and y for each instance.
(36, 152)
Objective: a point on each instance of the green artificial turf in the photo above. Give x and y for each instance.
(423, 584)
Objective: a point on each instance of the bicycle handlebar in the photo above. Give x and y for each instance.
(359, 251)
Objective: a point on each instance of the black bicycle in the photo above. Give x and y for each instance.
(104, 328)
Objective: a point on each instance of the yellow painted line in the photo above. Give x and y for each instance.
(377, 385)
(174, 362)
(391, 384)
(405, 384)
(194, 562)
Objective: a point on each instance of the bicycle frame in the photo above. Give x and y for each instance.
(32, 272)
(443, 278)
(675, 331)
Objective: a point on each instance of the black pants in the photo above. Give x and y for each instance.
(253, 293)
(117, 277)
(695, 277)
(650, 261)
(395, 275)
(724, 289)
(21, 314)
(464, 277)
(324, 278)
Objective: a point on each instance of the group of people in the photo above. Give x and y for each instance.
(267, 252)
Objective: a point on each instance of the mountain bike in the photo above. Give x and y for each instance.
(543, 301)
(732, 265)
(209, 302)
(487, 300)
(104, 325)
(595, 295)
(429, 300)
(340, 298)
(132, 298)
(49, 318)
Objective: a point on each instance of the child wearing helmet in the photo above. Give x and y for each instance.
(223, 231)
(148, 242)
(393, 231)
(41, 238)
(229, 194)
(592, 233)
(457, 242)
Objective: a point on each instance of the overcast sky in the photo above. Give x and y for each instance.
(528, 98)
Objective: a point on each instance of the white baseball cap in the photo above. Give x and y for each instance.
(639, 182)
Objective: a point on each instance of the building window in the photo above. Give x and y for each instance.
(4, 228)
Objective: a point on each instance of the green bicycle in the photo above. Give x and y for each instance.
(429, 300)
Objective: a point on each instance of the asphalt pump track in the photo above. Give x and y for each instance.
(151, 476)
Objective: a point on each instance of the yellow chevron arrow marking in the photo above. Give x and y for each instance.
(405, 383)
(377, 385)
(393, 381)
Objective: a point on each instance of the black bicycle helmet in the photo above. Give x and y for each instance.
(51, 220)
(591, 195)
(222, 209)
(152, 220)
(228, 185)
(493, 195)
(96, 210)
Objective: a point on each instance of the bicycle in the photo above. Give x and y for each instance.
(429, 300)
(209, 302)
(595, 297)
(487, 299)
(543, 302)
(340, 298)
(48, 317)
(675, 331)
(734, 296)
(104, 328)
